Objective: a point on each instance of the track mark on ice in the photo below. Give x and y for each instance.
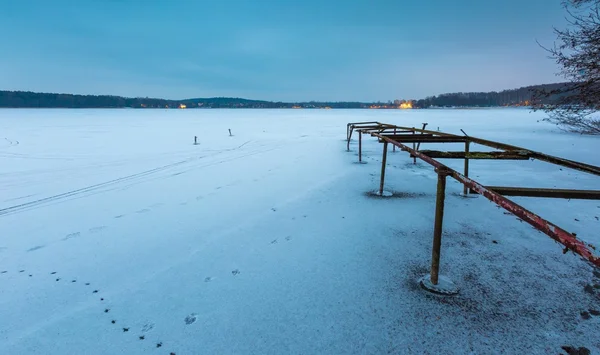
(145, 210)
(274, 241)
(37, 247)
(191, 319)
(120, 216)
(147, 327)
(208, 279)
(97, 229)
(235, 272)
(72, 235)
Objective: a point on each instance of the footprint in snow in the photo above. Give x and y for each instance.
(120, 216)
(97, 229)
(274, 241)
(37, 247)
(235, 272)
(191, 319)
(72, 235)
(145, 210)
(208, 279)
(288, 238)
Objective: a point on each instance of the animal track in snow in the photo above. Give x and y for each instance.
(97, 229)
(37, 247)
(72, 235)
(191, 319)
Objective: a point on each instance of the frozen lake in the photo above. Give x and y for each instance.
(118, 235)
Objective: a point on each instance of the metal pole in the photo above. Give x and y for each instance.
(419, 145)
(437, 228)
(359, 146)
(394, 147)
(467, 143)
(414, 147)
(349, 137)
(383, 163)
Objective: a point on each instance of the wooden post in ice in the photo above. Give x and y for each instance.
(229, 132)
(195, 140)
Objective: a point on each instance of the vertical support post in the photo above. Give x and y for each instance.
(195, 140)
(394, 147)
(466, 166)
(349, 138)
(383, 163)
(359, 146)
(437, 228)
(414, 147)
(419, 144)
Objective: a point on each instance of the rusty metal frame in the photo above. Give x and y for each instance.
(495, 194)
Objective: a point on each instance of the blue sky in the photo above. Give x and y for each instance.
(276, 50)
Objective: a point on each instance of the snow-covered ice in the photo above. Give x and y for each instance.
(118, 235)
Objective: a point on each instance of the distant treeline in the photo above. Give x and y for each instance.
(514, 97)
(26, 99)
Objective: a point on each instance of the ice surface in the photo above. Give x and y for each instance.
(119, 235)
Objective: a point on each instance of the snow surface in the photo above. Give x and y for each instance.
(268, 242)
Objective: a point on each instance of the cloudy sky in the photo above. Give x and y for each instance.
(287, 50)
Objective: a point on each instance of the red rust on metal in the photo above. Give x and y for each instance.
(553, 231)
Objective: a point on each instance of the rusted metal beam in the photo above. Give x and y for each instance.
(424, 139)
(588, 168)
(553, 231)
(551, 193)
(515, 155)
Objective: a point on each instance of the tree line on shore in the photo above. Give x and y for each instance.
(26, 99)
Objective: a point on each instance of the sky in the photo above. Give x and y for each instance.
(281, 50)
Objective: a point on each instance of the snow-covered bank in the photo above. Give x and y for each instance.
(266, 242)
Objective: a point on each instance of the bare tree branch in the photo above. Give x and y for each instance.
(575, 106)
